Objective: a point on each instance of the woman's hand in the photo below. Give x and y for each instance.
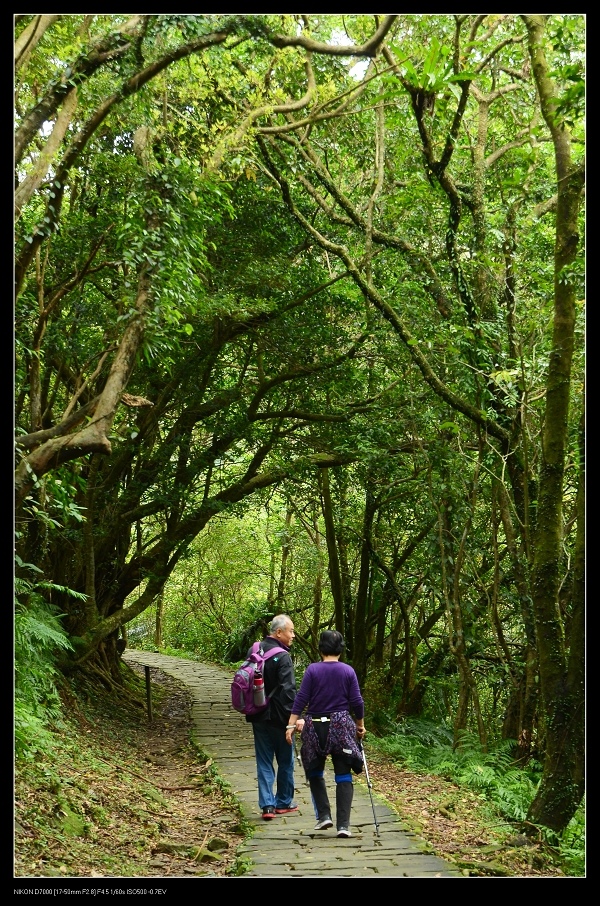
(361, 732)
(291, 728)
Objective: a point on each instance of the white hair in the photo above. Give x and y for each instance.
(279, 622)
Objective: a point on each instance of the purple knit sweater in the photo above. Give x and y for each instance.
(329, 686)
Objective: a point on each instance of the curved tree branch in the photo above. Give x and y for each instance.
(93, 438)
(369, 49)
(453, 400)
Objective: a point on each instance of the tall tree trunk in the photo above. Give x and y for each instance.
(158, 624)
(345, 570)
(451, 565)
(318, 585)
(361, 609)
(521, 710)
(560, 790)
(285, 553)
(335, 576)
(576, 665)
(386, 604)
(89, 612)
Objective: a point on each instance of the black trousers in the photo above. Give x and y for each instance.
(344, 789)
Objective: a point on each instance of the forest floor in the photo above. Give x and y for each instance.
(122, 798)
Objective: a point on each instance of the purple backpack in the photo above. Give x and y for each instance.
(242, 687)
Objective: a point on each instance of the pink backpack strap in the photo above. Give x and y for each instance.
(272, 651)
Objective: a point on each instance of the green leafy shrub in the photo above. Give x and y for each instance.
(423, 746)
(38, 638)
(572, 844)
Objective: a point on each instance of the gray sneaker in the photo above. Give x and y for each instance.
(344, 832)
(324, 824)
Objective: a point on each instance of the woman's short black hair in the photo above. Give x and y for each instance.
(331, 642)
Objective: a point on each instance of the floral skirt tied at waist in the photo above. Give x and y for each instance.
(334, 735)
(330, 734)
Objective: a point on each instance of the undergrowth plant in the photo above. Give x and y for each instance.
(424, 746)
(38, 638)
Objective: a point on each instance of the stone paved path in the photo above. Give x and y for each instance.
(289, 846)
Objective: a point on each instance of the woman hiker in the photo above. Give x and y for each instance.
(330, 696)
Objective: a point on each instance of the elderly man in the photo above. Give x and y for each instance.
(276, 790)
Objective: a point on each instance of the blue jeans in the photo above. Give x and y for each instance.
(270, 746)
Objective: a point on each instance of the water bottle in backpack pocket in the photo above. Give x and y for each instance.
(258, 695)
(247, 695)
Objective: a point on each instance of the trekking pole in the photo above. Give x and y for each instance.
(295, 749)
(369, 785)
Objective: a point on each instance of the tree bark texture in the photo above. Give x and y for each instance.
(559, 793)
